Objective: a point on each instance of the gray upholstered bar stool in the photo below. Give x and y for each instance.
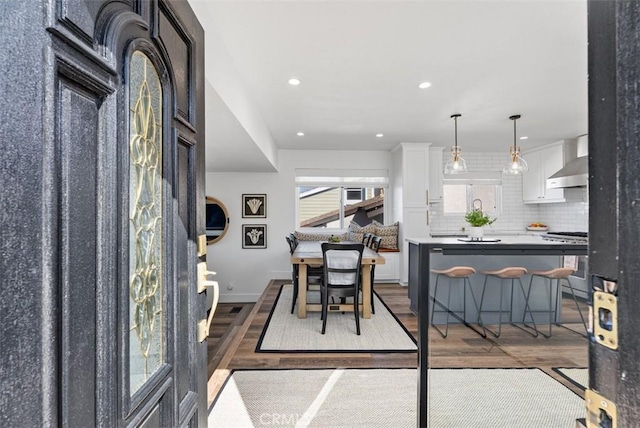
(559, 274)
(456, 272)
(513, 273)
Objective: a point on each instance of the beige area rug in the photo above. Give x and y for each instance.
(285, 332)
(579, 377)
(354, 398)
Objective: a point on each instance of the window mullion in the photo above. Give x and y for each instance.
(342, 201)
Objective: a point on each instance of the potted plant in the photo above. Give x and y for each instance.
(477, 219)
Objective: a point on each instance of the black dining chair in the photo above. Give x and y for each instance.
(314, 274)
(374, 246)
(366, 238)
(341, 277)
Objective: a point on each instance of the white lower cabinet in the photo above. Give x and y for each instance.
(390, 270)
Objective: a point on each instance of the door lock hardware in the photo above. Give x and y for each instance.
(202, 245)
(600, 411)
(203, 273)
(605, 322)
(205, 324)
(203, 331)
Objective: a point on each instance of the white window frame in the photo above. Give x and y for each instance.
(469, 180)
(343, 179)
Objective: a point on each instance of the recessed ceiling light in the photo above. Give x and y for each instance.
(424, 85)
(300, 134)
(523, 138)
(379, 135)
(294, 82)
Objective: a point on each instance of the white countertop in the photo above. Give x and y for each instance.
(504, 239)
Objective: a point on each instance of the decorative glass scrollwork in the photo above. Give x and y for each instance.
(146, 303)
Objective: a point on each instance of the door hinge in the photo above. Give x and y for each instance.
(600, 411)
(605, 316)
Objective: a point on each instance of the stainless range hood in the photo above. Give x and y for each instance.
(576, 172)
(573, 174)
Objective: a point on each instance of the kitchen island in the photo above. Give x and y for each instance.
(509, 249)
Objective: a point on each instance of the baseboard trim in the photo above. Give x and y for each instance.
(239, 298)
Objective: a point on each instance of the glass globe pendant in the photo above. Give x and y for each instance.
(456, 164)
(516, 164)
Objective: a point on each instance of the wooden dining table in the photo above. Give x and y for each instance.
(310, 253)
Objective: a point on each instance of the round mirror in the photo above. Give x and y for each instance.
(217, 220)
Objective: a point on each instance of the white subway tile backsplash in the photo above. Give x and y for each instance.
(572, 215)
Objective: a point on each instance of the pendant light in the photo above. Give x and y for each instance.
(455, 165)
(515, 164)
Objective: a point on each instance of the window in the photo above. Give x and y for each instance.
(475, 190)
(332, 198)
(355, 194)
(147, 340)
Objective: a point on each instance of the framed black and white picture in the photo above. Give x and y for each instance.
(254, 206)
(254, 236)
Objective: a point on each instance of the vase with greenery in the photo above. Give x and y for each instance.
(477, 219)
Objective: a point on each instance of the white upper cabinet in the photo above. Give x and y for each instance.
(543, 163)
(435, 174)
(415, 175)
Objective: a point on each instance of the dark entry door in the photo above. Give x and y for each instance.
(103, 200)
(614, 215)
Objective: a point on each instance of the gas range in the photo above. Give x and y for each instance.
(568, 237)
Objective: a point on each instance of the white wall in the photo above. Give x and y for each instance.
(248, 271)
(514, 216)
(572, 215)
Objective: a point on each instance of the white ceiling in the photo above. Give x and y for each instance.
(360, 63)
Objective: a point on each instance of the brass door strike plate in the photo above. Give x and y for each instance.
(598, 408)
(605, 311)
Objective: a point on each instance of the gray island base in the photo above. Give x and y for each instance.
(428, 253)
(539, 298)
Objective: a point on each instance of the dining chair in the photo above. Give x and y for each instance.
(374, 245)
(341, 263)
(366, 238)
(314, 274)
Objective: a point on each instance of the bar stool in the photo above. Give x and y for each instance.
(512, 273)
(456, 272)
(559, 274)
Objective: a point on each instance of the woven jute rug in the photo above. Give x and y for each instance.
(285, 332)
(577, 376)
(459, 398)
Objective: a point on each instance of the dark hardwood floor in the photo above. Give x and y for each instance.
(237, 327)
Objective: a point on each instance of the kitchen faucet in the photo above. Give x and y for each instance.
(473, 204)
